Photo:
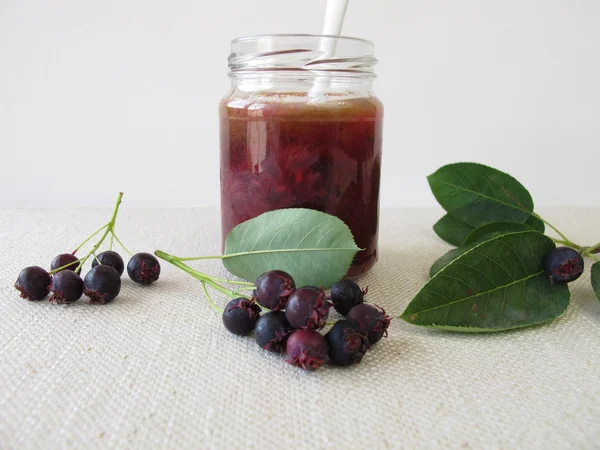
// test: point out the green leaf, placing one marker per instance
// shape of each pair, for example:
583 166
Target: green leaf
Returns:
478 194
478 235
493 229
314 247
497 285
447 258
452 230
596 279
536 224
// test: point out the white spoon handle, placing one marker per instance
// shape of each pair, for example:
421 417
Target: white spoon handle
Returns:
334 17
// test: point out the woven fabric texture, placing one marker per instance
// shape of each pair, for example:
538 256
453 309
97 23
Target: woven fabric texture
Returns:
156 368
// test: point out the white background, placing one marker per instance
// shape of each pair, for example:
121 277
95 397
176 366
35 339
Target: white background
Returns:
102 96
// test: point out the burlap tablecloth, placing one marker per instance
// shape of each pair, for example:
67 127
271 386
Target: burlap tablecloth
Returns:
156 368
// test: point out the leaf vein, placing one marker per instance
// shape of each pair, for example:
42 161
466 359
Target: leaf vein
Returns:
518 257
495 262
479 194
522 280
476 269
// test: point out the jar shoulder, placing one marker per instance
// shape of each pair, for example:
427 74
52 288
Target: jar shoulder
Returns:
291 104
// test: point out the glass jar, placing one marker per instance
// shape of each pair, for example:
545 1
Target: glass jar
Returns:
300 129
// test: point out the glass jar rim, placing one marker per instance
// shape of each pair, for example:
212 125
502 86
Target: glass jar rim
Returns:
301 36
309 53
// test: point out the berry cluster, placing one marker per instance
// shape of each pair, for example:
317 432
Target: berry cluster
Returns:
296 314
101 284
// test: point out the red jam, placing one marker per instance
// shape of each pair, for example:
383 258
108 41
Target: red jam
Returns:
280 151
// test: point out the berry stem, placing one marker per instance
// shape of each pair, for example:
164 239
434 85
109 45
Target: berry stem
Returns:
96 258
250 286
89 238
239 291
565 239
170 258
213 304
58 269
109 228
567 243
111 222
594 249
220 288
112 234
595 258
196 274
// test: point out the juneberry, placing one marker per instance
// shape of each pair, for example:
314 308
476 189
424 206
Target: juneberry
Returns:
102 284
373 319
307 308
306 349
143 268
62 260
273 289
33 283
112 259
563 265
348 343
272 331
240 316
345 295
67 287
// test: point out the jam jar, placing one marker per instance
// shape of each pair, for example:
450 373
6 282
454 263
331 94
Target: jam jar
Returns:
302 128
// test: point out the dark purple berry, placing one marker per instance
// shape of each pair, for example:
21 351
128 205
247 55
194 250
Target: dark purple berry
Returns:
67 287
563 265
272 331
348 343
112 259
62 260
240 316
102 284
345 295
306 349
374 320
143 268
273 289
33 283
307 307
